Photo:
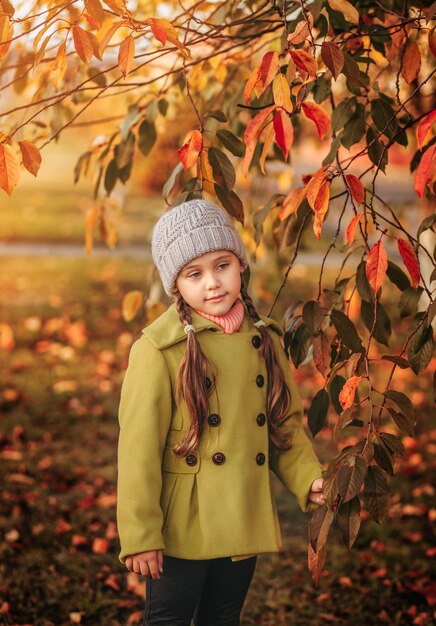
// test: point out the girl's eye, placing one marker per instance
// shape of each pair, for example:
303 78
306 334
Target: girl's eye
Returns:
223 265
194 275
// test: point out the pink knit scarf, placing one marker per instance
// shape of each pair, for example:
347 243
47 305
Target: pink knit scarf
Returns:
230 321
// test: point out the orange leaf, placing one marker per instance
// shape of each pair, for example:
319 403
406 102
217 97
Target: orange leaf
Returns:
31 156
268 68
356 188
119 6
315 562
109 33
376 266
100 546
252 134
322 198
95 9
164 31
126 55
191 148
424 126
301 32
250 85
6 34
266 144
9 168
351 230
317 114
314 184
425 172
59 66
282 92
350 13
411 62
348 391
284 131
83 43
132 302
410 259
304 61
292 202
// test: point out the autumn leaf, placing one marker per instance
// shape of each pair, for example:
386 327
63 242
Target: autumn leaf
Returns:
292 202
301 32
31 156
269 136
317 114
411 62
376 266
191 148
252 81
252 134
9 168
108 34
282 92
333 57
164 31
268 68
356 188
126 55
95 9
118 6
410 259
350 13
304 61
83 43
426 171
348 391
351 229
314 184
424 126
100 545
284 131
315 563
6 34
132 302
59 66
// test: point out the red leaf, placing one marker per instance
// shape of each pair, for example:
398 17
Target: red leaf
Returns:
356 188
100 546
351 230
268 68
410 260
317 114
426 170
424 126
348 391
251 82
252 134
304 61
376 266
188 153
284 131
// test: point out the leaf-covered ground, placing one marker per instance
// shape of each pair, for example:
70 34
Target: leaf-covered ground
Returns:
63 349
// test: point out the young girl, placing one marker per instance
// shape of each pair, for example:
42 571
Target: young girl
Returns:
208 407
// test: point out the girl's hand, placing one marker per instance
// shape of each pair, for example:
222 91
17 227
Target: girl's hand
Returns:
315 493
149 564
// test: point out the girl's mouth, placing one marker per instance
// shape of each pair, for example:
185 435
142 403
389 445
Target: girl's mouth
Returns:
215 298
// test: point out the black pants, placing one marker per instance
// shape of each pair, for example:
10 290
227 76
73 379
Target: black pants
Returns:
212 592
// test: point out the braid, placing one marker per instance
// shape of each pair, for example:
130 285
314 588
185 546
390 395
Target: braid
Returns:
278 394
191 383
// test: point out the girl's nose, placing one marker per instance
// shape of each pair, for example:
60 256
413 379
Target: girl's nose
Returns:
212 281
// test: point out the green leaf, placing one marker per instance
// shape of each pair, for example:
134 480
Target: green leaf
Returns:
403 363
397 276
382 113
354 130
350 69
349 520
382 329
146 136
376 150
300 345
382 455
124 151
230 201
376 493
321 89
313 316
217 115
318 411
334 148
83 161
362 283
408 302
166 190
110 176
319 526
346 330
222 168
162 105
343 113
393 443
231 142
403 423
335 389
426 224
351 477
403 403
420 348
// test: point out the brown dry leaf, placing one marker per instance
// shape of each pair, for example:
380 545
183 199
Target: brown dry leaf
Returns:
31 156
83 43
411 62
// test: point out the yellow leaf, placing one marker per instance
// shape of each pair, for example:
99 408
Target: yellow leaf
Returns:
95 9
118 6
350 13
9 168
108 34
132 302
31 156
282 92
6 33
268 140
83 43
164 31
40 54
206 170
126 55
292 202
59 66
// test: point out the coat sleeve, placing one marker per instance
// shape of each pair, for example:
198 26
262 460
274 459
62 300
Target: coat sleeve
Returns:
299 466
144 418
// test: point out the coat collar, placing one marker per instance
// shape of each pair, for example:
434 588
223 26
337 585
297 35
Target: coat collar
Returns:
168 330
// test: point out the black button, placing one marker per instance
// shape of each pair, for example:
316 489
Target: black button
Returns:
256 341
218 458
260 380
261 419
260 458
191 459
208 383
214 420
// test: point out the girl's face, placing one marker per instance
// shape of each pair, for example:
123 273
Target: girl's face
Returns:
211 282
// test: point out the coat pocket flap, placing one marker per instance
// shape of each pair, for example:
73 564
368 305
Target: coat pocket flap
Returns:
179 465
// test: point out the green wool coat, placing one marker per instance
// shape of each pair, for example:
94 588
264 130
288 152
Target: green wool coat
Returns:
217 502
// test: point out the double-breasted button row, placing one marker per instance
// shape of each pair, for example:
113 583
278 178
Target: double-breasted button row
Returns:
214 420
261 419
191 460
260 458
260 380
219 458
256 341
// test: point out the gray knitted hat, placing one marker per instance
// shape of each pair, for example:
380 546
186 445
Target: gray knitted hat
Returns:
187 231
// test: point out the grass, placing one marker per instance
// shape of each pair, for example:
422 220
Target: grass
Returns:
59 391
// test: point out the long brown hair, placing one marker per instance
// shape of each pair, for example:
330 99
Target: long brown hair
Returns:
192 384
